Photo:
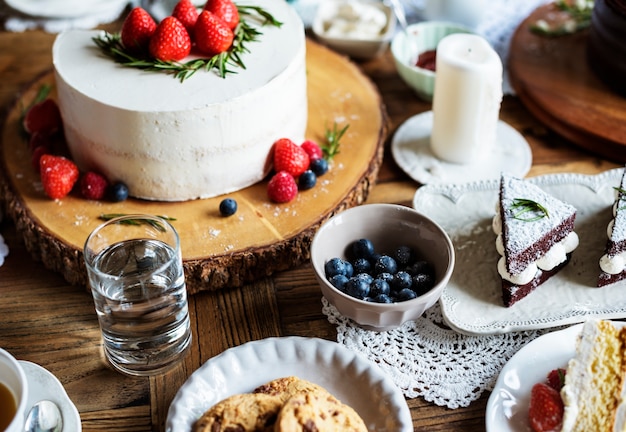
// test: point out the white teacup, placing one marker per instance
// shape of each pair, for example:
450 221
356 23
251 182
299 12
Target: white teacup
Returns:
13 393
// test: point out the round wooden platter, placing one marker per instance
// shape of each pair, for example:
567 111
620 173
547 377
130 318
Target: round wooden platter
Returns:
261 238
553 80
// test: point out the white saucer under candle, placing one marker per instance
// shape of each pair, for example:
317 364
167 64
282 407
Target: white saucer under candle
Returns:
411 150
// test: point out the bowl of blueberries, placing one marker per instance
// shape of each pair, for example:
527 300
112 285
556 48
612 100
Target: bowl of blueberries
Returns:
382 265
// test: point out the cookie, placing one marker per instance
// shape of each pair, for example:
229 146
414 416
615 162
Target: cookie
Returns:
246 412
287 387
315 411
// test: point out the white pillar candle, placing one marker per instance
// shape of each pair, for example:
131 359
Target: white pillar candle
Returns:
466 99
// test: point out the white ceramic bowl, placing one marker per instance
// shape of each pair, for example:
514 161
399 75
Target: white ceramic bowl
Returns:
387 226
424 36
359 47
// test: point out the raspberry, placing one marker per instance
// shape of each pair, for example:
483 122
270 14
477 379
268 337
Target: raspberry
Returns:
93 186
312 149
282 187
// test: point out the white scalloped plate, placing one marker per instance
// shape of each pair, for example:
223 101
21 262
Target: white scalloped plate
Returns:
507 408
348 375
64 8
472 304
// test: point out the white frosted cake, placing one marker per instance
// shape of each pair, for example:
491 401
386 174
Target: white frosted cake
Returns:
174 141
613 262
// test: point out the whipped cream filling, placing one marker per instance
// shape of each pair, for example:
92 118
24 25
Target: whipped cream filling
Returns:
552 258
613 264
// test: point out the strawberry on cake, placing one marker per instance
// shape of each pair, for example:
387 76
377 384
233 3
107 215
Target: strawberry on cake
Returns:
613 262
182 134
535 237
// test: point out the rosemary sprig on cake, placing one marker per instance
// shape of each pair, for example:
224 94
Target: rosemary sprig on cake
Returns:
523 206
165 45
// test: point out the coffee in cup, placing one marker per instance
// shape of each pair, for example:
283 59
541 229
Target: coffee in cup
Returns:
13 393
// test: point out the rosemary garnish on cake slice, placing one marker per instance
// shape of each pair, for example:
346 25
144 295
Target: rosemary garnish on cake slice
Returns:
110 44
157 225
522 206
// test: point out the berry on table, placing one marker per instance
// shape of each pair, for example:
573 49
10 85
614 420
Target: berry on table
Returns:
319 166
290 157
118 192
282 187
312 149
43 117
58 175
228 207
93 186
307 180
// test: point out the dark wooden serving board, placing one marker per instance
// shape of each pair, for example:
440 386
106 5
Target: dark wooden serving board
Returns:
553 80
261 238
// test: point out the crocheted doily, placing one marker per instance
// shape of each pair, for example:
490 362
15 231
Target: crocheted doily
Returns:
427 359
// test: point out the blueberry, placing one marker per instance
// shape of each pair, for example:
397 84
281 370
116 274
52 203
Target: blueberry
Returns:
423 282
403 255
385 264
387 277
406 294
382 298
118 192
379 286
401 280
363 248
420 266
362 265
336 266
339 281
358 287
307 180
319 166
228 207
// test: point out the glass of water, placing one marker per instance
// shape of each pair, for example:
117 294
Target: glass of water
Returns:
135 270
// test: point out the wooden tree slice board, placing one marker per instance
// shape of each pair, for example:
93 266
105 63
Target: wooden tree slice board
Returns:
553 80
261 238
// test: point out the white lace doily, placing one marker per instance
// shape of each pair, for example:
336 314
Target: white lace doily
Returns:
426 359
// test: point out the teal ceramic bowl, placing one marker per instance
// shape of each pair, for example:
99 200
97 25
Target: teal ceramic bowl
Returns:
407 46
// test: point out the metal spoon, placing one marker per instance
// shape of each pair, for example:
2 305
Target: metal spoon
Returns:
44 416
398 11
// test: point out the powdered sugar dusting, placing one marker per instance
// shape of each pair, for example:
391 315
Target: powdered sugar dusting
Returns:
520 235
618 234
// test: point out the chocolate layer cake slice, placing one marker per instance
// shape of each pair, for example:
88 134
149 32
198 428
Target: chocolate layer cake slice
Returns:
535 237
613 262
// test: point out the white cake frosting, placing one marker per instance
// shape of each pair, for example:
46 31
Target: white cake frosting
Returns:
173 141
616 232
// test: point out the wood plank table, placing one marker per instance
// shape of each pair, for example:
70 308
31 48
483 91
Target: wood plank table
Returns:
47 321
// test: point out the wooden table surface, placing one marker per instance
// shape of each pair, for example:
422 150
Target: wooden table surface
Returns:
51 323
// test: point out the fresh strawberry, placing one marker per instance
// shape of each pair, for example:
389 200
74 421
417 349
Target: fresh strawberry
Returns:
137 29
556 378
93 186
224 9
546 409
170 41
185 11
58 175
290 157
282 187
211 34
312 149
43 117
36 155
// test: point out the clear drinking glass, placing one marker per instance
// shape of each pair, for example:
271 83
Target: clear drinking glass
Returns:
135 270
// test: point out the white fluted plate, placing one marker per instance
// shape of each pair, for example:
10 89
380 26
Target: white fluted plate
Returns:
42 384
410 148
507 407
348 375
471 303
65 9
